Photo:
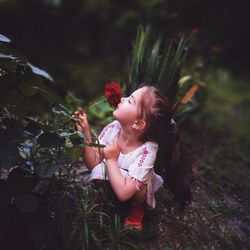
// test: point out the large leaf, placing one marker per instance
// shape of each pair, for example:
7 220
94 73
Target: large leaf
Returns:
74 153
152 63
50 140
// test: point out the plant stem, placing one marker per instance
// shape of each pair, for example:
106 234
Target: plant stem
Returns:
96 103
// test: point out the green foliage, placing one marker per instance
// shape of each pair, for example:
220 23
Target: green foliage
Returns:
159 64
40 150
79 221
24 88
156 65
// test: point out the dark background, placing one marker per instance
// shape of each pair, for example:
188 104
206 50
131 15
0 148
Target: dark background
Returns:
84 43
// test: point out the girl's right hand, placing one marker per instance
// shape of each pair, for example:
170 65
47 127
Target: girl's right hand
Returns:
112 151
82 122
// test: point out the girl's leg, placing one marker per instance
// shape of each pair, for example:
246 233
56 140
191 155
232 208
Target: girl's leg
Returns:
136 211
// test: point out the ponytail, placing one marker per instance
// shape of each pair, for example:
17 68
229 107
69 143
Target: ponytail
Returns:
171 160
171 163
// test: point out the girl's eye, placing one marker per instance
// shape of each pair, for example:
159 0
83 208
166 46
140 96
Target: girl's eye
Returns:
129 101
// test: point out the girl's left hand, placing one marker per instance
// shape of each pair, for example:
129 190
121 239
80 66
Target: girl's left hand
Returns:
111 151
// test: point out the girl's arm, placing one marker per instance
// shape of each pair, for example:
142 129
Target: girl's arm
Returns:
92 155
124 186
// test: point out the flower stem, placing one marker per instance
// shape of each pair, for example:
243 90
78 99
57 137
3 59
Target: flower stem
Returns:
96 103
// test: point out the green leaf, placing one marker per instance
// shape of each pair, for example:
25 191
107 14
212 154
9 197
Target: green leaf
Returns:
152 62
48 140
26 202
151 67
74 153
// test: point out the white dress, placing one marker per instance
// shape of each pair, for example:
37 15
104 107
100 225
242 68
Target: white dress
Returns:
138 164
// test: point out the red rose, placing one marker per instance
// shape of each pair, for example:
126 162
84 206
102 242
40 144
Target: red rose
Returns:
113 93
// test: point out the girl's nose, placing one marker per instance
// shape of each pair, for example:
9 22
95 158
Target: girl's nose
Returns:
122 99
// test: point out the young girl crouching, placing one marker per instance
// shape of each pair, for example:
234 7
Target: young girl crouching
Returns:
142 136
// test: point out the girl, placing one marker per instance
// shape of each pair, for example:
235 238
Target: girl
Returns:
143 135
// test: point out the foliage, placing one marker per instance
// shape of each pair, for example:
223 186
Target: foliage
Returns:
39 151
79 222
154 64
24 89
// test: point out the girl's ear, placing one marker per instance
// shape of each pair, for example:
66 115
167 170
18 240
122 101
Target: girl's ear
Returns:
139 125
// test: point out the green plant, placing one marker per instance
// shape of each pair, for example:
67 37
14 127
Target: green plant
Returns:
41 203
159 64
154 64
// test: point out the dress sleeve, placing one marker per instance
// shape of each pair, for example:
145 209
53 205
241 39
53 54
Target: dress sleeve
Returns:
142 168
109 132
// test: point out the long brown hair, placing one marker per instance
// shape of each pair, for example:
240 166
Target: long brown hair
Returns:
156 110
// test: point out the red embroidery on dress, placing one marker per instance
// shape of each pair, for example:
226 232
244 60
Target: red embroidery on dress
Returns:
106 129
144 155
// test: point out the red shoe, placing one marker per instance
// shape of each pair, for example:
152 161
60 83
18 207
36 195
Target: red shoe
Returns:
135 217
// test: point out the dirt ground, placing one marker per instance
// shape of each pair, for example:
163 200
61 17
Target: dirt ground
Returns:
217 218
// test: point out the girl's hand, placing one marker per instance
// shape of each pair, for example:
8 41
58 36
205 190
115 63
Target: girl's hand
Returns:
82 122
111 151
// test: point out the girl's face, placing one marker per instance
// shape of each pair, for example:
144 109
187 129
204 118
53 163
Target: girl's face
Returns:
127 110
